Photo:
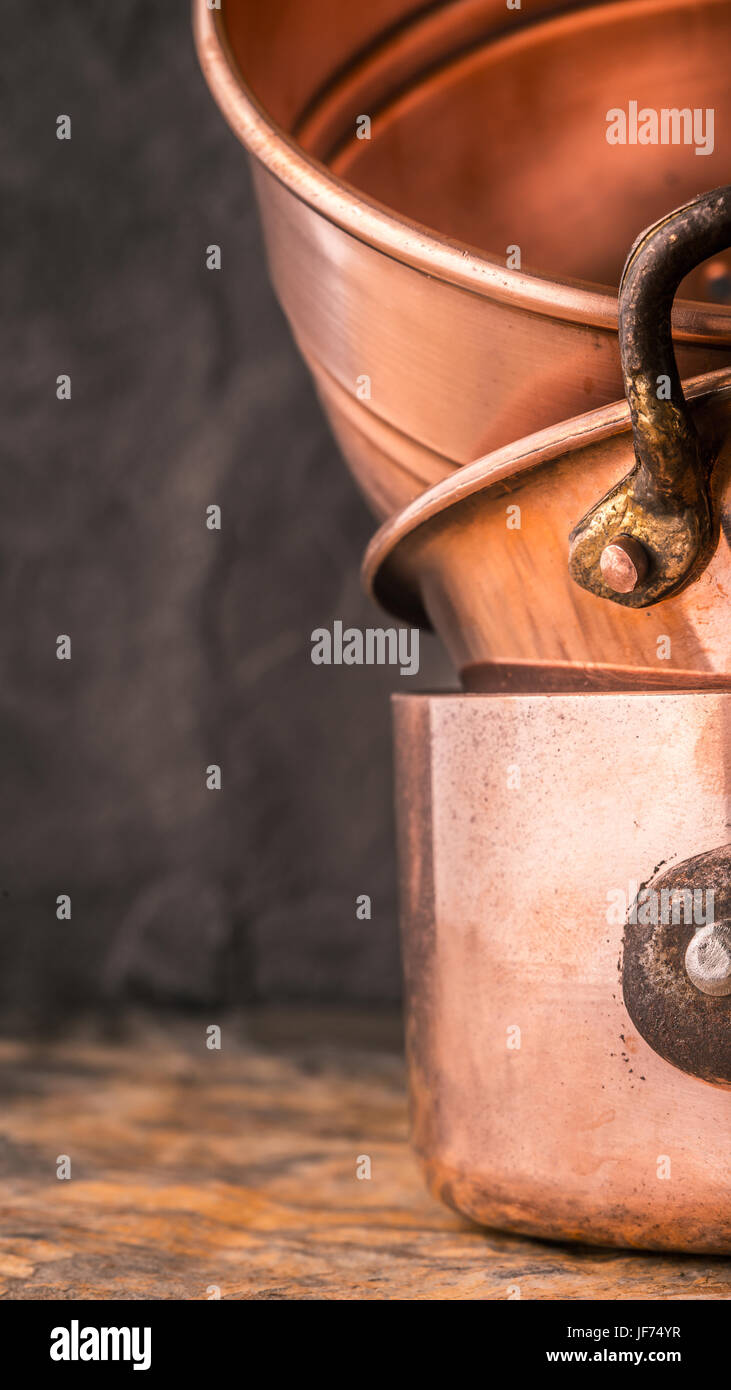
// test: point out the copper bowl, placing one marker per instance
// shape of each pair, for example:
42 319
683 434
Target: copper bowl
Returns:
488 132
502 598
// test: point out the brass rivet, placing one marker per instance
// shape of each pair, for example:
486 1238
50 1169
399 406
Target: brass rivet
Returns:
623 564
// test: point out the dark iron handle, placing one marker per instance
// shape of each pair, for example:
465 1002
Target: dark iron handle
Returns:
653 533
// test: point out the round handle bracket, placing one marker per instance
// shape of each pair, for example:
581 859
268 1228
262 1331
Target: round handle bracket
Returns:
675 992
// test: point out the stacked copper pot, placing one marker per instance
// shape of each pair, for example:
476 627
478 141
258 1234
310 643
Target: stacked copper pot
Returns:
501 238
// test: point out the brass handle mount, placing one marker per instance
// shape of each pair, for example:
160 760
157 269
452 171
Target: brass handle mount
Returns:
653 532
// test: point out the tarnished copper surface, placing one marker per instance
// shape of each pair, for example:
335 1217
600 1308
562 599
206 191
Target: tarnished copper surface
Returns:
494 582
526 824
428 345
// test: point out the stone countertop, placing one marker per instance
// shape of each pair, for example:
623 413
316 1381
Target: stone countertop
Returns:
235 1170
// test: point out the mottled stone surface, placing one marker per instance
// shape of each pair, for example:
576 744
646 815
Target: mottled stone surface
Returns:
193 1168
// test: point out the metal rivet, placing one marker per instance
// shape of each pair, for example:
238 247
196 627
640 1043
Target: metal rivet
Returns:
624 564
708 960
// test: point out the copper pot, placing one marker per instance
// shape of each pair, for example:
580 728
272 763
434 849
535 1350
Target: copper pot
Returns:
641 584
429 347
503 599
568 1064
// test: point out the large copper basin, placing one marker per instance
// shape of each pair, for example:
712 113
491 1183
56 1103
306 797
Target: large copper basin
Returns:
429 347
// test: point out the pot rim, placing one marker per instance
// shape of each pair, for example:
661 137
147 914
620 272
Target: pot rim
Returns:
397 593
413 244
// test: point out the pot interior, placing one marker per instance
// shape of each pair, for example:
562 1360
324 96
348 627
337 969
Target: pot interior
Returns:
489 125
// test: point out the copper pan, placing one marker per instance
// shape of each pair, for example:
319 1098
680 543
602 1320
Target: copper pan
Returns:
502 598
390 254
568 1075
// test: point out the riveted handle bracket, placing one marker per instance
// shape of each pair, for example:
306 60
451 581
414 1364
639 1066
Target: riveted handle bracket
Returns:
654 533
676 965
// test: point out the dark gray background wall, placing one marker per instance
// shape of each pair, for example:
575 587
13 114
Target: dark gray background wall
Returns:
188 646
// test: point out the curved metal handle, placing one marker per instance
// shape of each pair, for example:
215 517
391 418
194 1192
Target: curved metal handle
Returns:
654 531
